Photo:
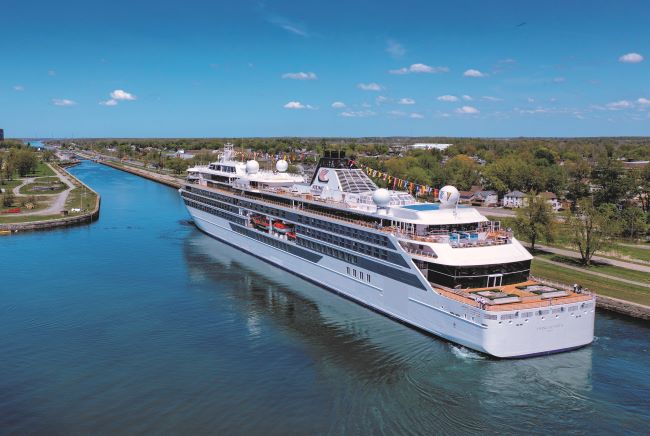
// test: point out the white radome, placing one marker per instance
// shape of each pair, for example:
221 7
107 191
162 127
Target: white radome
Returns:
281 166
448 196
252 167
381 197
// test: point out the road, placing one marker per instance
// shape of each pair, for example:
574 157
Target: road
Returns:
569 253
496 211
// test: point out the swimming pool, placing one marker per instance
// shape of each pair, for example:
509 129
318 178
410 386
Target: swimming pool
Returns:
423 206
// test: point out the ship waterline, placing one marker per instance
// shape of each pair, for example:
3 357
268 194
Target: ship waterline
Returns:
383 250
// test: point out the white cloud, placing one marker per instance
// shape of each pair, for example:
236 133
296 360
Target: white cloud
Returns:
300 76
297 105
559 79
473 73
63 102
381 99
416 115
110 102
370 86
395 49
286 24
419 68
643 101
467 98
449 98
467 110
19 88
51 72
530 100
402 70
490 98
631 58
293 29
366 105
406 100
120 94
357 114
617 105
397 113
338 105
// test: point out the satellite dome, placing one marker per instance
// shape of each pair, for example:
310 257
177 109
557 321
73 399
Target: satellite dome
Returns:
448 196
381 197
252 167
281 166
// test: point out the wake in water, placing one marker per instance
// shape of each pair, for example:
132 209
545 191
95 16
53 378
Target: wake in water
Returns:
465 353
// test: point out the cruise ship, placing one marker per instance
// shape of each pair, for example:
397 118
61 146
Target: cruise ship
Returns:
439 267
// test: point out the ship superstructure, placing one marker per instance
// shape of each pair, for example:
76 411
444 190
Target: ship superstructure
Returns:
445 269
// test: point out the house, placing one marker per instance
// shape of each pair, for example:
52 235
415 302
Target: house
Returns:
485 199
465 197
552 199
515 199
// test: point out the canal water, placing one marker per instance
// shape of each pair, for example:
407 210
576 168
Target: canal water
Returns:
139 323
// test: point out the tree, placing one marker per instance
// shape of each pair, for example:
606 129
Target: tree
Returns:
536 220
8 198
591 228
633 222
613 185
26 162
177 164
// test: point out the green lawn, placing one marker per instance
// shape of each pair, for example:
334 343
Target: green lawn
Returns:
633 252
7 219
42 170
29 188
611 288
638 276
81 198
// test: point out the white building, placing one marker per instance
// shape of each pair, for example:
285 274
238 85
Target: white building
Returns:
423 146
515 199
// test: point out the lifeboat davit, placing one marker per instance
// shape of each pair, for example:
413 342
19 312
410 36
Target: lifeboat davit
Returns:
281 227
260 222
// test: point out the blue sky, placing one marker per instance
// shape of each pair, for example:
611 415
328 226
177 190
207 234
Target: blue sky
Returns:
324 68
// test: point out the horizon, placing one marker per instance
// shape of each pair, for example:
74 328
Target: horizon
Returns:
337 70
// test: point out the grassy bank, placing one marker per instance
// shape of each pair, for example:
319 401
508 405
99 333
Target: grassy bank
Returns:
602 268
599 285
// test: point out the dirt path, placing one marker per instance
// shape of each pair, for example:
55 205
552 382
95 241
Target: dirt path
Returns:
25 182
594 273
59 201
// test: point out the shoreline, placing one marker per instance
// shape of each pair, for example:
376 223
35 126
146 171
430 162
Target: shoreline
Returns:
66 221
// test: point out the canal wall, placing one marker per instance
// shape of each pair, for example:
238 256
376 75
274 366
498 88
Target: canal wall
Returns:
170 181
84 218
624 307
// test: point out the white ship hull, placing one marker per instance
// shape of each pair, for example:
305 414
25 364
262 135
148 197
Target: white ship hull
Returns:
564 327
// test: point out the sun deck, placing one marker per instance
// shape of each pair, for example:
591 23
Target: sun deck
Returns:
480 297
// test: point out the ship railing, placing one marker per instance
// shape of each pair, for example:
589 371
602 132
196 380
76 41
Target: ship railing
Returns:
303 209
559 285
420 252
